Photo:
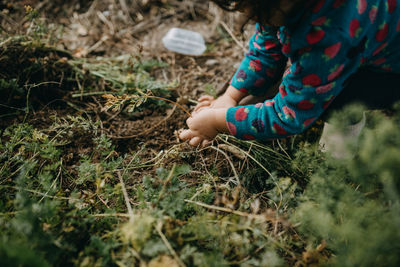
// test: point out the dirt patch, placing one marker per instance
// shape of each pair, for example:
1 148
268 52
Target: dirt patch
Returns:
156 132
108 28
34 71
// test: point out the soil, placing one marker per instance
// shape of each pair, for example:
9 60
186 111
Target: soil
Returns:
85 27
105 28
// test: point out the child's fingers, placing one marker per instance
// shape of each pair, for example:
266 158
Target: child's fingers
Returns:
202 105
195 141
188 121
189 135
186 135
206 97
195 112
205 143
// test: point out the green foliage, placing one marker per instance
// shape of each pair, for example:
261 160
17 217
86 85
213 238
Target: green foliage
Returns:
18 254
168 192
11 86
67 215
129 78
209 89
56 214
37 216
354 205
138 231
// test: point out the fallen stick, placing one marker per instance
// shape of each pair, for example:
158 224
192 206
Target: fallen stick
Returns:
261 217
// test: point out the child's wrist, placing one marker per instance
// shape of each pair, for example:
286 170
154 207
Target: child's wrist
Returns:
220 120
235 94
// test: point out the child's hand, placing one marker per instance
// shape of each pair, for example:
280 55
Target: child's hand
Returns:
204 126
230 98
224 101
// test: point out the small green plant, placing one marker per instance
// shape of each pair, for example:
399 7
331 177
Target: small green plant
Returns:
354 205
209 89
39 32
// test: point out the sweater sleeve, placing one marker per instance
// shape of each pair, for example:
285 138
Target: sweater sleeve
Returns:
263 63
321 63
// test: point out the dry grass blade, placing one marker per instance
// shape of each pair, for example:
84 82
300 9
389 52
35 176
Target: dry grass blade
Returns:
230 163
126 197
262 167
169 178
259 217
167 244
235 151
136 97
123 215
229 31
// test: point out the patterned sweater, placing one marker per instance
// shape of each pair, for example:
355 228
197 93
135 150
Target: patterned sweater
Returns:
325 47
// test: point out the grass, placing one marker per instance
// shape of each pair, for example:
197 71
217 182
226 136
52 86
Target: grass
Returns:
97 210
100 207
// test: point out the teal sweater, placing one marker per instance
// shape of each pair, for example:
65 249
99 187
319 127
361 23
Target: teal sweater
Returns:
324 47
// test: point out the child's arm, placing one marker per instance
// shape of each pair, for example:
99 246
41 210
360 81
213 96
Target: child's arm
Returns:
262 65
321 63
259 70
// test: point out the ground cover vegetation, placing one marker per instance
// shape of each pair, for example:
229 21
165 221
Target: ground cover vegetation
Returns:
92 174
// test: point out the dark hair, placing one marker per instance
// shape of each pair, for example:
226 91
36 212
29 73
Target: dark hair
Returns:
262 11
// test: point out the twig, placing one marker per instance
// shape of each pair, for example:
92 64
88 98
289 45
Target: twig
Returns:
168 245
135 254
145 25
106 21
258 163
261 217
230 162
6 41
102 201
96 45
169 178
112 215
53 183
9 20
37 192
135 96
113 116
232 35
42 83
126 8
284 151
126 197
246 160
91 8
